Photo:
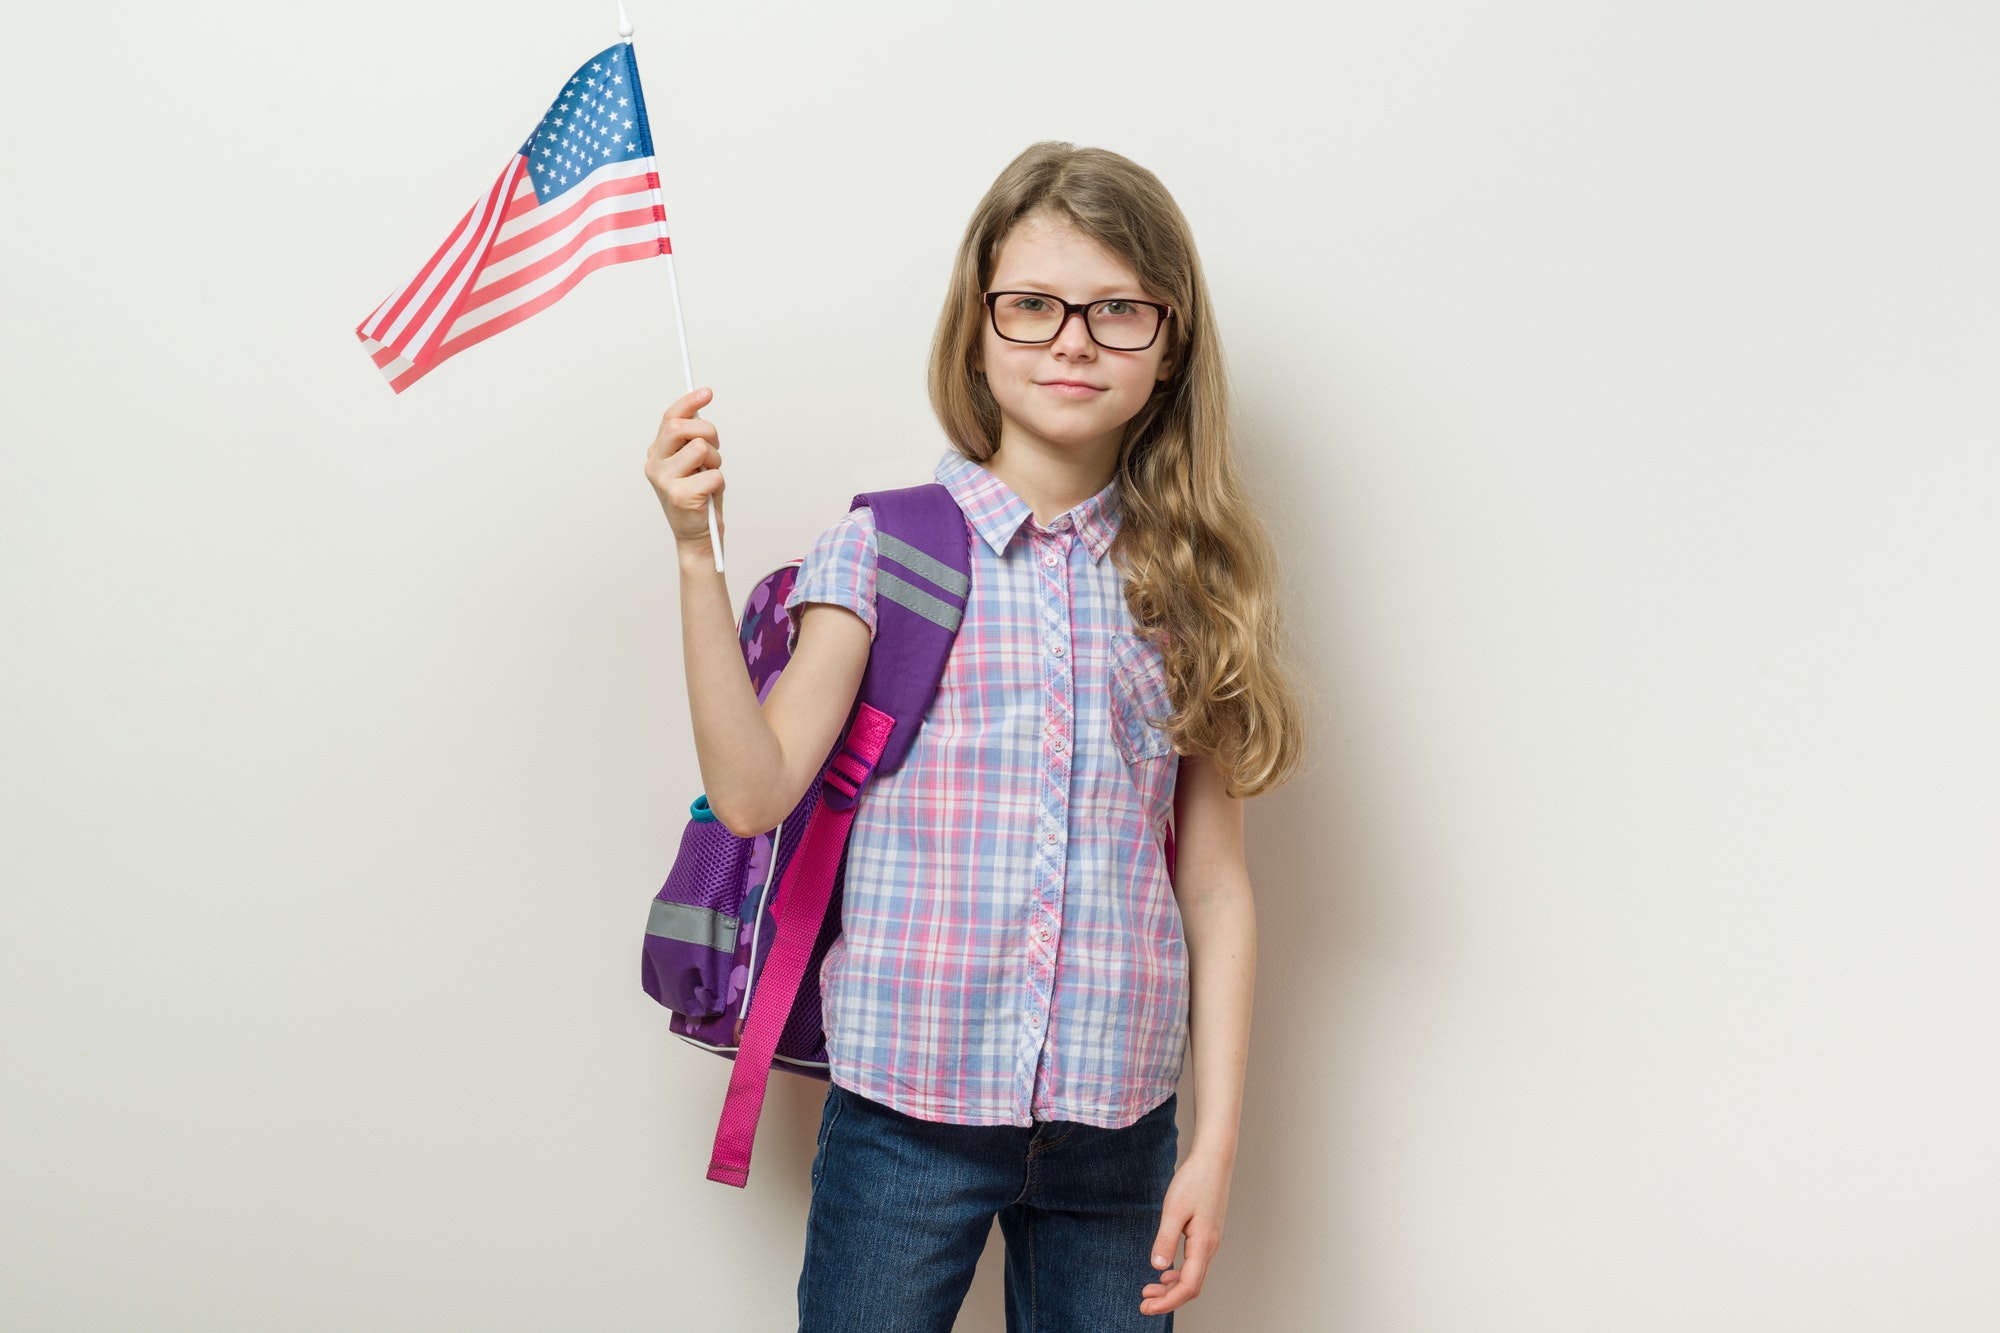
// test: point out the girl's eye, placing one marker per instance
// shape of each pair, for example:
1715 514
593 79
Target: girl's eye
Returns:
1032 305
1116 308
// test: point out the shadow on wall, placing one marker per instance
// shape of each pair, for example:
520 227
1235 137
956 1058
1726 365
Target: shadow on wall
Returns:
1324 909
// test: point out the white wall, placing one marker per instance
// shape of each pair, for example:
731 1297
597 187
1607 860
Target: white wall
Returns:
1620 382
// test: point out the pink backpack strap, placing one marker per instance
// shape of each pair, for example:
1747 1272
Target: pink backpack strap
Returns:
801 905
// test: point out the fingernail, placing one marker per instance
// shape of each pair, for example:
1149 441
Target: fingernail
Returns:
1158 1262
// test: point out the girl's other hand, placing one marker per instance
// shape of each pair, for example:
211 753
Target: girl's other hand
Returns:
1197 1200
685 466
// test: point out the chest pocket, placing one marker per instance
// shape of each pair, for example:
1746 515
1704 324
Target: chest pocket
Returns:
1138 693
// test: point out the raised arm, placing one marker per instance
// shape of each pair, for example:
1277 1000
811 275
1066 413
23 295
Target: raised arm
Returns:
755 762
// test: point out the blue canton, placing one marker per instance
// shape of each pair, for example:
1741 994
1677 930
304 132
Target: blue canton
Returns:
600 117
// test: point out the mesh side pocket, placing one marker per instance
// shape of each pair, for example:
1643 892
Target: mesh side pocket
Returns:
694 921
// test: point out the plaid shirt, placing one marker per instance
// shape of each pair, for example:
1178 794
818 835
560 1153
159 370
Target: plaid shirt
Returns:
1010 947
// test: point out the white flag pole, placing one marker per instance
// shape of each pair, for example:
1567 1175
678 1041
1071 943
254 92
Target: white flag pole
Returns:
673 284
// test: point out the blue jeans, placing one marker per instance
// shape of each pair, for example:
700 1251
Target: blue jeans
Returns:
901 1209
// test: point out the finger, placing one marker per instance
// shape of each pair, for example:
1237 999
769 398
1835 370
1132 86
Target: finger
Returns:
690 402
1166 1295
1194 1271
693 497
682 408
686 460
693 492
677 431
1177 1287
1167 1242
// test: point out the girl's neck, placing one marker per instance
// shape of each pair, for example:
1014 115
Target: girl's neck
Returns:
1053 479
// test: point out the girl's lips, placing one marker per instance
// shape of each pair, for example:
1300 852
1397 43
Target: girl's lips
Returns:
1069 389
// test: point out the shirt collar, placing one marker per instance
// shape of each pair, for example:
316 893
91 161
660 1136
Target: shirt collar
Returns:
996 512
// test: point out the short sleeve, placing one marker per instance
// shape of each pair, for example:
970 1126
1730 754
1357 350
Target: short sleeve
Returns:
840 569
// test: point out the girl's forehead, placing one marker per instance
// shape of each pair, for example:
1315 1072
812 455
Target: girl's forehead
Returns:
1049 255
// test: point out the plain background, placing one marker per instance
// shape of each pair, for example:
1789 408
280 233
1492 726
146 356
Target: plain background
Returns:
1617 380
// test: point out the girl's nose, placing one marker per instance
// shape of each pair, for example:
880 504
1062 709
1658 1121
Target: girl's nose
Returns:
1074 335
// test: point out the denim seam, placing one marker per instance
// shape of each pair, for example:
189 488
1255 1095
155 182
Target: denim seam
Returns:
1034 1277
1039 1146
1027 1177
825 1133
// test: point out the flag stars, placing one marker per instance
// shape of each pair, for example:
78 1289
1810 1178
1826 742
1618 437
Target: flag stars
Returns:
588 123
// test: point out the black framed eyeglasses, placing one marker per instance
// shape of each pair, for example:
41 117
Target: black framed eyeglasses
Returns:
1117 324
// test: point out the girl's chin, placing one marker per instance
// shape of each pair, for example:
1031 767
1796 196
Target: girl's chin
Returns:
1071 443
1079 424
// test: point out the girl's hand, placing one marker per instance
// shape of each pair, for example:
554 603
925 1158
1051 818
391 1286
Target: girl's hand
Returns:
685 466
1197 1198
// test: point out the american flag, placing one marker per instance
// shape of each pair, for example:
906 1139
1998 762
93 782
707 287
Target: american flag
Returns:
581 193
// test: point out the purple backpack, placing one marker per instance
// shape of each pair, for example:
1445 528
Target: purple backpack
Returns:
736 936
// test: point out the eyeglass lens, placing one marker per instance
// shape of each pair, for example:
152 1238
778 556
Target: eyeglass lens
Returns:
1122 326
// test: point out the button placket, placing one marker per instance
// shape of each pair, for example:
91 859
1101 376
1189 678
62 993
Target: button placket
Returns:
1050 549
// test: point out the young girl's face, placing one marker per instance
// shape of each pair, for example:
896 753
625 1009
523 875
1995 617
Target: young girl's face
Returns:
1068 396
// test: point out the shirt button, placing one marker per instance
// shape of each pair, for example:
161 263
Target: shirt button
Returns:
1058 744
1058 650
1045 933
1034 1020
1052 837
1049 559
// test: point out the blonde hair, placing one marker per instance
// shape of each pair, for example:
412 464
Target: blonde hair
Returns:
1200 573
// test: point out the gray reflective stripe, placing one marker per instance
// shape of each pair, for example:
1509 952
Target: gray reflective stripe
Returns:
909 557
693 925
903 594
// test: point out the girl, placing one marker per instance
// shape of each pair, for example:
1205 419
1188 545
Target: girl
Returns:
1016 979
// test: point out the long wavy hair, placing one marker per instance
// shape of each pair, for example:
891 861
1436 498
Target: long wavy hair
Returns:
1199 570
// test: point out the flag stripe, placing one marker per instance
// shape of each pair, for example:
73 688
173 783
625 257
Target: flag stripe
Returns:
645 249
376 325
465 273
558 276
401 374
390 329
497 284
525 228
